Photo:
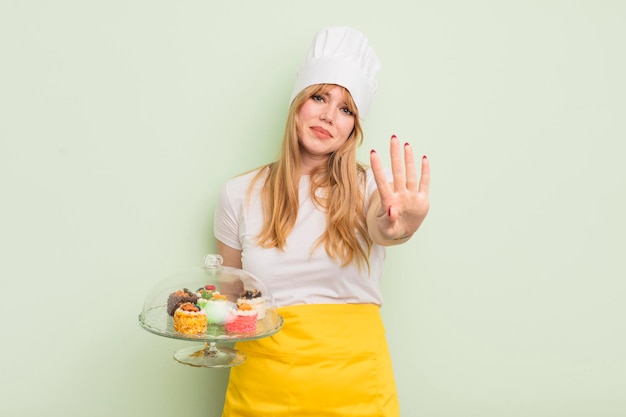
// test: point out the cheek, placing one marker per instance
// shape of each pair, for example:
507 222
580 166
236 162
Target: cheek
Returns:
305 110
347 128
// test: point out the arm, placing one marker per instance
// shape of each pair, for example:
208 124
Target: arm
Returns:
232 257
398 209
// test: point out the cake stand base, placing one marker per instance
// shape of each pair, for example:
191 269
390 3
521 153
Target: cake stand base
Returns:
210 356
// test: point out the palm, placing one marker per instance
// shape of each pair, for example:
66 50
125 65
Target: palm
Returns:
404 202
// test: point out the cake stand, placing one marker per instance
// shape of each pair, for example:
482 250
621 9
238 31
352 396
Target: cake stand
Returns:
230 282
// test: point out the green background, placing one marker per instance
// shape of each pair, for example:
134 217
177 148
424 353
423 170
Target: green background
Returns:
120 120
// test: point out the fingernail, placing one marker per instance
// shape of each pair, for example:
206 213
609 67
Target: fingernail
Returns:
389 211
424 157
406 144
393 136
372 151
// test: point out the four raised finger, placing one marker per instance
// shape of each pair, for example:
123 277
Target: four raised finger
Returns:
404 170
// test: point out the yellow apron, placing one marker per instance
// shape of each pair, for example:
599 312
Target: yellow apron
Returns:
328 360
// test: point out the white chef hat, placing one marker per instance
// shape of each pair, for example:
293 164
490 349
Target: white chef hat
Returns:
342 56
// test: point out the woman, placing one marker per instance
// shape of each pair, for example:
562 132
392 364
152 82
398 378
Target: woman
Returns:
313 225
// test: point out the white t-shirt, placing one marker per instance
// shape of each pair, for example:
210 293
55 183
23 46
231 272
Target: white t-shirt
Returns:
296 275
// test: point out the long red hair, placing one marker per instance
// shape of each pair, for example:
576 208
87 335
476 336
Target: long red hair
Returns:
342 182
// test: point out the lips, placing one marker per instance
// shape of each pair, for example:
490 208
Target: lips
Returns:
321 133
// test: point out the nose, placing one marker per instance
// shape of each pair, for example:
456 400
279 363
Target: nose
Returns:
326 115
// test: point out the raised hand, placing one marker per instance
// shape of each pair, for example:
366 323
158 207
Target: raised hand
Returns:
399 207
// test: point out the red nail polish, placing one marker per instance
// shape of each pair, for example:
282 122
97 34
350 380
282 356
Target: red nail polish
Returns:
406 144
393 136
389 211
372 151
424 157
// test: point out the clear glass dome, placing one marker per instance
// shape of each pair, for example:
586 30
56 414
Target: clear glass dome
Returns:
211 303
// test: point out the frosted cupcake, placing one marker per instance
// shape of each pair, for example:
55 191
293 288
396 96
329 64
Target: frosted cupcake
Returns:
255 299
176 299
214 304
241 319
189 319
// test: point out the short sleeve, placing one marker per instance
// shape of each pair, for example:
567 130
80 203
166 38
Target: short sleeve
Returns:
226 219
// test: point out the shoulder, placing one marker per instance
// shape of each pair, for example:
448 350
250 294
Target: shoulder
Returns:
242 182
233 197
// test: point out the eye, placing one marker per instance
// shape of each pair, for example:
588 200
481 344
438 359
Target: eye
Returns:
317 97
347 111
